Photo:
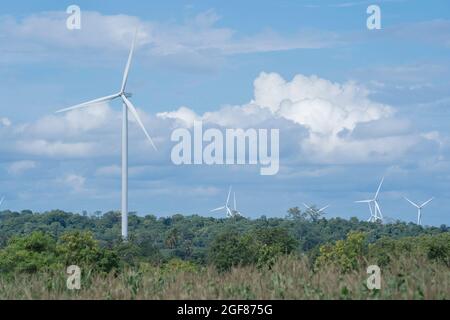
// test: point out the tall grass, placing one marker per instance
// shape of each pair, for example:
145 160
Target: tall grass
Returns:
289 278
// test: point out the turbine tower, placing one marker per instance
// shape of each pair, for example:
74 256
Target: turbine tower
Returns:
126 106
235 212
374 207
419 209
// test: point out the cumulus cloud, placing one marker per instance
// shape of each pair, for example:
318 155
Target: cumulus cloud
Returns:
183 116
342 122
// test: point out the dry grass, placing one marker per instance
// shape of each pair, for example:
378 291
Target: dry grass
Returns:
290 278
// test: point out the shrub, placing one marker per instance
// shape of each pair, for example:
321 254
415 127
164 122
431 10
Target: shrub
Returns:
345 254
29 254
261 247
80 248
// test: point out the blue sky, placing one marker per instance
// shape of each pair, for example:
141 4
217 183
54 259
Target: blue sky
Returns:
361 104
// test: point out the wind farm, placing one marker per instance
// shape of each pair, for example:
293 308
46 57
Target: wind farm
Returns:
156 151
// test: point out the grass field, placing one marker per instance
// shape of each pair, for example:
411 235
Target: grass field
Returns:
289 278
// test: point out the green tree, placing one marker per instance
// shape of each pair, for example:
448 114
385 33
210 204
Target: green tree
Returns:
80 248
345 254
30 253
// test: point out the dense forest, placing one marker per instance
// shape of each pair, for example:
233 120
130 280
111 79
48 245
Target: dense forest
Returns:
190 237
46 243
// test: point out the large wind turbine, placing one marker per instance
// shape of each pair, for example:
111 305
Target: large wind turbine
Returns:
419 209
127 106
375 211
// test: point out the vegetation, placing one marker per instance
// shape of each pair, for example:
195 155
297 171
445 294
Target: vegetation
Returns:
301 256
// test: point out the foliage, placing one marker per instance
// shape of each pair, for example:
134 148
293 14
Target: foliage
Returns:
28 253
261 247
345 254
80 248
435 248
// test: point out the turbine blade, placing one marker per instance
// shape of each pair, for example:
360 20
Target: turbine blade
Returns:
228 198
414 204
363 201
1 200
89 103
426 202
234 198
324 208
379 188
127 67
217 209
138 119
379 210
306 206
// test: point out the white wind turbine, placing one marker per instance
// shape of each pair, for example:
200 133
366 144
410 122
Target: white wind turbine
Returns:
235 211
127 106
321 210
419 209
229 211
375 212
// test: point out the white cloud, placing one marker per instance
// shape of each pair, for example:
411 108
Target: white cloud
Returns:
55 149
5 122
329 112
183 116
199 36
75 182
320 122
19 167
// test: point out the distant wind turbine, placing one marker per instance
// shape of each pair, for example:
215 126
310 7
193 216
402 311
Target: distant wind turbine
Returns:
235 211
419 209
225 207
1 200
230 212
375 211
127 106
314 209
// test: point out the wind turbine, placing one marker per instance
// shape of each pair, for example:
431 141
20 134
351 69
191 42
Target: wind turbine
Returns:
314 209
126 106
419 209
235 211
1 200
375 211
226 207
